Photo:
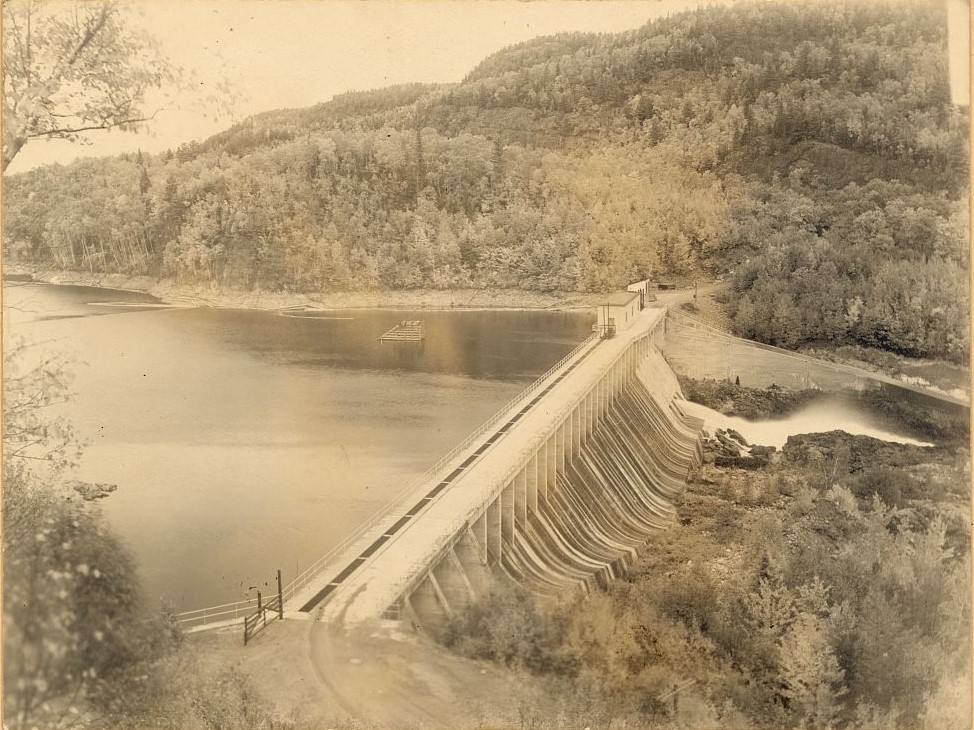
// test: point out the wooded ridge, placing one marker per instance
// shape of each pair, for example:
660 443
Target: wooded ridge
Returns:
812 150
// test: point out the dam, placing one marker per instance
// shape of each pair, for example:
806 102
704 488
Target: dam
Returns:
557 494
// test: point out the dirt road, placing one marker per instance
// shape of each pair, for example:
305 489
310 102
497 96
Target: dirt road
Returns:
383 675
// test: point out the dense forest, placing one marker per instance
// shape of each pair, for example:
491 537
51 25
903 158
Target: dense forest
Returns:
826 589
811 150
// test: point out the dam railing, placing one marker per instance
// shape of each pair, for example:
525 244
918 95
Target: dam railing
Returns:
234 612
450 532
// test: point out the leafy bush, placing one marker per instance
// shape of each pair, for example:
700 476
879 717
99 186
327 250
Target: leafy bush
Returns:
507 626
894 486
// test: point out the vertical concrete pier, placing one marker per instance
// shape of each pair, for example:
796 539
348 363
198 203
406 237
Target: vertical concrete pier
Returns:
560 498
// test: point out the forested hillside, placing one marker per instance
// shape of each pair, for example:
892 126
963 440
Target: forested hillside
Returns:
827 590
810 149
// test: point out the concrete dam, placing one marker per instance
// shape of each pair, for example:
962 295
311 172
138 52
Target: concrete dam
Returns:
559 490
556 494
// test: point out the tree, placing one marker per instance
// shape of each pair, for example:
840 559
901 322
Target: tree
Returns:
27 391
76 629
72 69
811 677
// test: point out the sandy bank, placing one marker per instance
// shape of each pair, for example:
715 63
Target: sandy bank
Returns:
216 296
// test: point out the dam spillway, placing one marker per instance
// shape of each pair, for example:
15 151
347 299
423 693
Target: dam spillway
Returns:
613 492
559 497
556 492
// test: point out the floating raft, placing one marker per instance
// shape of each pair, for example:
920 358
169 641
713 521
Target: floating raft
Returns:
409 330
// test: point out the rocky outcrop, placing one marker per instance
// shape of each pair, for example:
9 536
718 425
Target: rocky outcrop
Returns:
727 447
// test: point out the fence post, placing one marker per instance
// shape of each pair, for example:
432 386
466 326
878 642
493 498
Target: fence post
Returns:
280 596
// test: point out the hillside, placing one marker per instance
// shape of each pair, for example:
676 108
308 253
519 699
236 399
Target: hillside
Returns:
810 149
783 596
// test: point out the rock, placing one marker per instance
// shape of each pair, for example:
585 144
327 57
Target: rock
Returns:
740 462
90 492
853 453
737 437
726 445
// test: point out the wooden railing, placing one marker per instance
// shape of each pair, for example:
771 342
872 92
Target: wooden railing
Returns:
212 615
257 621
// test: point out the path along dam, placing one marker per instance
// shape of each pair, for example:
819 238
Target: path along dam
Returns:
559 494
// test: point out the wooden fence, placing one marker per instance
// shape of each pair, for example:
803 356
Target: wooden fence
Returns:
257 621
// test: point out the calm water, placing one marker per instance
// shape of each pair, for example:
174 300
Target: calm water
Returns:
242 441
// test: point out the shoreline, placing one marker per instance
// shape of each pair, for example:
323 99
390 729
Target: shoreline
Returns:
924 373
177 294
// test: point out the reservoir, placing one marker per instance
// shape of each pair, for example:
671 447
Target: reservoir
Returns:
245 441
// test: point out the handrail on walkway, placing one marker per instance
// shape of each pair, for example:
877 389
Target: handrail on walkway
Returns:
449 533
223 613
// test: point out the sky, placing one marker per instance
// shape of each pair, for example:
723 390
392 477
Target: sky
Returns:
295 53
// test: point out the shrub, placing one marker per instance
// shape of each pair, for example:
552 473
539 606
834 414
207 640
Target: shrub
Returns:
507 626
894 486
690 596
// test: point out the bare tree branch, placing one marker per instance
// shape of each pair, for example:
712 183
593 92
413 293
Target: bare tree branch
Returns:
93 127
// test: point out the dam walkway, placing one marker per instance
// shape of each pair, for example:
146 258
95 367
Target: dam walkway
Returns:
558 496
557 492
456 468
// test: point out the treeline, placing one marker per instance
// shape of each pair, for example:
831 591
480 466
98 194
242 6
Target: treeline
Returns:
739 81
714 138
362 210
881 265
828 591
82 644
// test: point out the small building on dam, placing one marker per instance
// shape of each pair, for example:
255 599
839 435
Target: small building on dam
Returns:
617 312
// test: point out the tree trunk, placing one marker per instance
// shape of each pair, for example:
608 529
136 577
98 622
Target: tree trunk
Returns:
12 144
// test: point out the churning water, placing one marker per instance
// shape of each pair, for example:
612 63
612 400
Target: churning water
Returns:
831 414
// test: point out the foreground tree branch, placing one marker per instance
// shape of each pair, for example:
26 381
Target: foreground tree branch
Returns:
67 131
66 73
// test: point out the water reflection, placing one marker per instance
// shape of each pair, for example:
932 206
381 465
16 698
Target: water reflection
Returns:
246 441
479 344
